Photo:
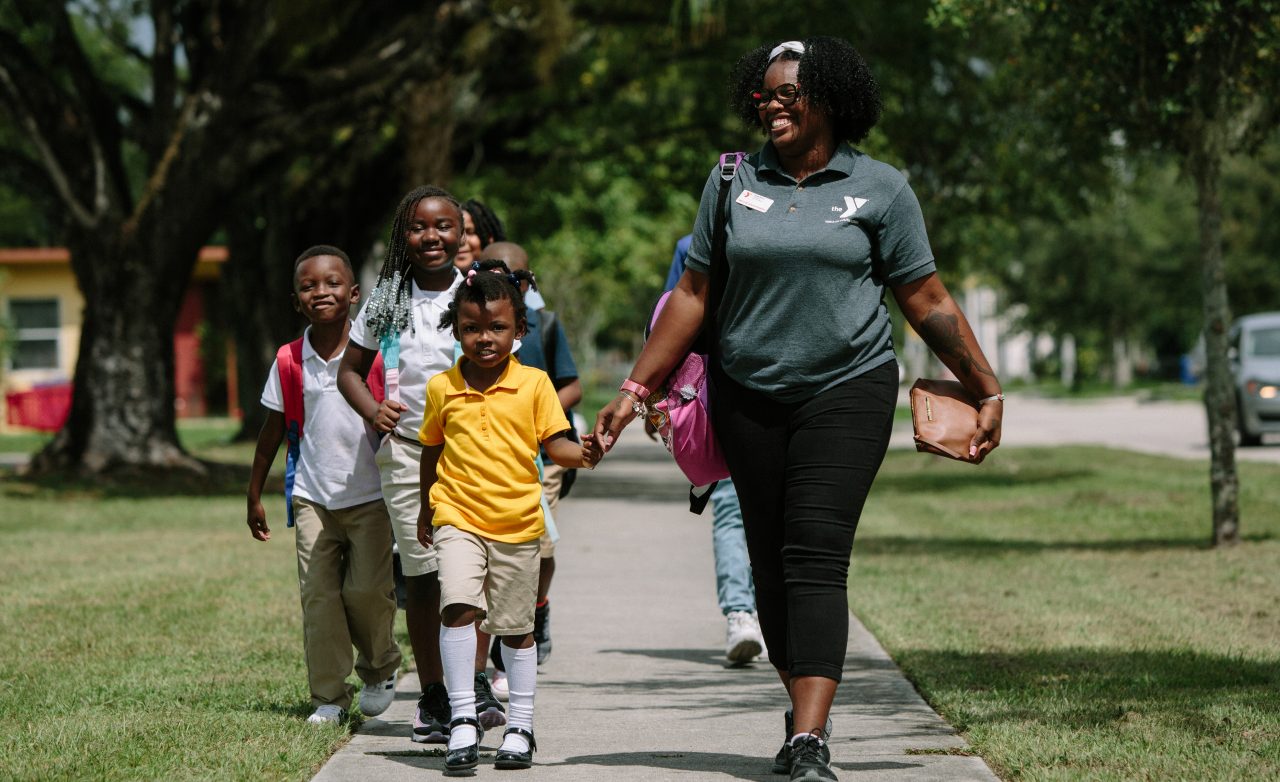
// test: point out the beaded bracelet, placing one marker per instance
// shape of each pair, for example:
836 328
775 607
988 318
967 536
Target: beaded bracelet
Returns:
637 404
635 388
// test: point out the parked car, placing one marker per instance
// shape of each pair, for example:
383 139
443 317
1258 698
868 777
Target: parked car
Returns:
1255 364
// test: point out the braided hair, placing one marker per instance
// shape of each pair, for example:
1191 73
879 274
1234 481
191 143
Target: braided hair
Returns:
391 303
488 226
489 280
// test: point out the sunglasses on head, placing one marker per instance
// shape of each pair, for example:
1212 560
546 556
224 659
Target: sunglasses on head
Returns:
785 94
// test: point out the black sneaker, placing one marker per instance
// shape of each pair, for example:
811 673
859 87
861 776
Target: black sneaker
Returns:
542 631
431 718
811 760
488 710
782 760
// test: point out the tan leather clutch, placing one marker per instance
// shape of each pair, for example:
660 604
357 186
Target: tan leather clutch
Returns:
945 418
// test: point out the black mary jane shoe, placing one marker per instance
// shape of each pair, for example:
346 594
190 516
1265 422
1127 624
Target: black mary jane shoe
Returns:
506 759
463 758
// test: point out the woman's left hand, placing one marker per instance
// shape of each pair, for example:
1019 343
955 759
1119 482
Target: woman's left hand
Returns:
987 437
612 419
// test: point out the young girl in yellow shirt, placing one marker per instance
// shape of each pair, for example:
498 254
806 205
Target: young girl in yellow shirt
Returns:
481 510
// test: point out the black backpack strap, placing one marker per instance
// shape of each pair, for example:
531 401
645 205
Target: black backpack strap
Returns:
699 496
547 325
718 271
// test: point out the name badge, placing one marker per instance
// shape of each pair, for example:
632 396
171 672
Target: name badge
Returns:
755 201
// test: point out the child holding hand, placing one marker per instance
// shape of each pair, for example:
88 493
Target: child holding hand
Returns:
481 510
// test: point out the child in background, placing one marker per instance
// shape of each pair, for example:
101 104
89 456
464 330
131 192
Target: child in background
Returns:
343 532
482 503
734 589
480 228
414 289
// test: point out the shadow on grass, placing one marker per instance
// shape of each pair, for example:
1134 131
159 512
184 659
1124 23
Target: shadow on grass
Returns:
991 547
217 479
1079 688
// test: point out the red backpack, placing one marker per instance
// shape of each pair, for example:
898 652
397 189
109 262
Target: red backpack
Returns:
289 363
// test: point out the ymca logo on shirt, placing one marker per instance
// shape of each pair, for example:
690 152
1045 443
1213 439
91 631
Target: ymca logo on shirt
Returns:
851 206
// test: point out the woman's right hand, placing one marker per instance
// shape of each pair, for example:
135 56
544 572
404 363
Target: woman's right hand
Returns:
387 416
612 419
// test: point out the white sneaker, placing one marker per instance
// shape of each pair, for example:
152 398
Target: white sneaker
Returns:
375 698
501 690
743 641
327 714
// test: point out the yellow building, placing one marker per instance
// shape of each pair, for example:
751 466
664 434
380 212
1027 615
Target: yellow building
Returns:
42 310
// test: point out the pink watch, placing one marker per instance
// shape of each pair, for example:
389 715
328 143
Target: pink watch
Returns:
635 388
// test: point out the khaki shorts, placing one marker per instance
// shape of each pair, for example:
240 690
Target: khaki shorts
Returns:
552 478
400 465
475 570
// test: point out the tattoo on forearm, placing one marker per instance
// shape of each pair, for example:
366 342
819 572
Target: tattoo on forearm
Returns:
942 332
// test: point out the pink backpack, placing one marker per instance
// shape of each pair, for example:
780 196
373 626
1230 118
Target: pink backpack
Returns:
683 420
682 416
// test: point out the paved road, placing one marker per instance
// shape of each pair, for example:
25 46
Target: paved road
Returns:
1171 428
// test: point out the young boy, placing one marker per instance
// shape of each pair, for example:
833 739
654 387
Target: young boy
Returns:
334 495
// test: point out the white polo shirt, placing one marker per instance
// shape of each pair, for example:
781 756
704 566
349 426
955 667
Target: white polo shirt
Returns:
335 460
425 351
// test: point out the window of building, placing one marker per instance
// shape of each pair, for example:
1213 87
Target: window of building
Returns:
35 333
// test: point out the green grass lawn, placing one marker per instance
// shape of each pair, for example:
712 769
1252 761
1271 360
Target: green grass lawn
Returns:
1062 608
1058 606
147 636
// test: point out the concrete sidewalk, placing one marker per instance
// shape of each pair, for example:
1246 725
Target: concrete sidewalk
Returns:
636 687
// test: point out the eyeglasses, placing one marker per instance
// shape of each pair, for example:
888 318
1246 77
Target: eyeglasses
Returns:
785 94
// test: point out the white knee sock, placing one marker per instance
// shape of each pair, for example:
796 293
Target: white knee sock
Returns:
522 679
458 655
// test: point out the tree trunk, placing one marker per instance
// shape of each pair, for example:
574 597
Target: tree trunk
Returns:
254 294
1067 361
1121 362
1219 395
122 413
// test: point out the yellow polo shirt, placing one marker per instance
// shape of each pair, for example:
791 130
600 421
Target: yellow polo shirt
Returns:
488 474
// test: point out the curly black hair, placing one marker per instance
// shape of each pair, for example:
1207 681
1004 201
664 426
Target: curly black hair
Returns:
492 281
833 78
488 226
325 249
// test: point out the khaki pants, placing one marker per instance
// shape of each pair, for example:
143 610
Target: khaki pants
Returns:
499 579
348 597
400 465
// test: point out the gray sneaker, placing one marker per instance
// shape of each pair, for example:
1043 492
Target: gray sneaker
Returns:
811 760
742 639
782 761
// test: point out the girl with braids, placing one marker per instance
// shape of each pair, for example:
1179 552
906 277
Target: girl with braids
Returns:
803 377
413 290
480 228
482 502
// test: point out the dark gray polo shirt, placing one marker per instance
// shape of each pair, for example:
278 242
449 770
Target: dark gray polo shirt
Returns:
803 311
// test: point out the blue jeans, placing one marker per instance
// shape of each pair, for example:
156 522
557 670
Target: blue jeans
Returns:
734 589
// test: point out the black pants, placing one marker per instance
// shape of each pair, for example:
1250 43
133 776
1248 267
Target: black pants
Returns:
802 471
